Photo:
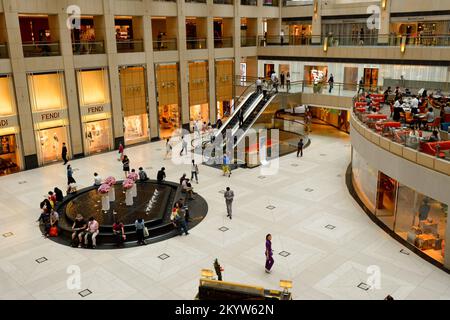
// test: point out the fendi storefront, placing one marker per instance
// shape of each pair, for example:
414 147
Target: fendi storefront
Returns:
50 116
224 88
198 92
10 158
167 86
134 104
95 110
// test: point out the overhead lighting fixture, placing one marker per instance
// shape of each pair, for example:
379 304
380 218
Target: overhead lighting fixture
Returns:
325 44
316 5
403 45
384 4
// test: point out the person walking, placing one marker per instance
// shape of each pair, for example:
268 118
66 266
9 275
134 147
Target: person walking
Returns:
282 80
64 153
161 176
183 146
258 86
300 148
70 178
168 149
229 197
226 166
269 253
194 171
178 221
140 225
126 165
121 150
218 268
331 83
288 81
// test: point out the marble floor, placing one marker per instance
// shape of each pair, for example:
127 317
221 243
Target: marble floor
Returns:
322 240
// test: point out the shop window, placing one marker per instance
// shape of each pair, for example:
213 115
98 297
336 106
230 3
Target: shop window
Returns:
7 101
386 199
47 91
50 143
98 136
93 87
9 160
422 221
365 180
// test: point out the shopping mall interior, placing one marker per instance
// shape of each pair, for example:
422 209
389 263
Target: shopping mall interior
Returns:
322 123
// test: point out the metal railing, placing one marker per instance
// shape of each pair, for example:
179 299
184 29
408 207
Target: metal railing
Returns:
249 2
271 3
41 49
356 40
293 3
248 41
223 2
196 1
198 43
408 131
288 40
4 54
224 42
88 47
165 45
127 46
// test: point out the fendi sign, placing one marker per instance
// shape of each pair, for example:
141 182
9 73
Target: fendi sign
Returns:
91 110
50 116
7 122
4 123
98 109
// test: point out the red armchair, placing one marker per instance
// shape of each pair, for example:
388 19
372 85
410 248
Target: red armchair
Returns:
430 147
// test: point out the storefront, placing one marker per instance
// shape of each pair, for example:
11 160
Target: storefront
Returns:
299 30
95 109
224 88
134 104
351 31
423 30
167 85
50 117
316 76
198 92
416 218
10 158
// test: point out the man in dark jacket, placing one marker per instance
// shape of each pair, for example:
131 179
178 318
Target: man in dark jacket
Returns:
64 153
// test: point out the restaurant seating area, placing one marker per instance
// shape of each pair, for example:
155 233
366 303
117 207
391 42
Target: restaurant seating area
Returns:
411 129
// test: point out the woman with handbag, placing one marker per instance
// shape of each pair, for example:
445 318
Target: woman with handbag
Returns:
140 225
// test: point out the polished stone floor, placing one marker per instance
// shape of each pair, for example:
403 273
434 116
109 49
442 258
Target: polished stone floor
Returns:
322 240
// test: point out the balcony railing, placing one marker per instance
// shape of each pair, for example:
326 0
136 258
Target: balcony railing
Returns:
127 46
165 45
88 47
271 3
41 49
224 42
288 40
196 1
248 41
198 43
223 2
293 3
4 51
249 2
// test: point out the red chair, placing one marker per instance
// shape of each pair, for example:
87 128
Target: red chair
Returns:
361 109
377 117
430 147
435 124
360 104
446 117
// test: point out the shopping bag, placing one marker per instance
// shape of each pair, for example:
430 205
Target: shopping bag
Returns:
53 232
146 233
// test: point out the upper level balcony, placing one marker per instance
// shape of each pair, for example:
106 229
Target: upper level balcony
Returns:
231 2
130 45
271 3
196 43
248 41
223 42
4 51
196 1
249 2
41 49
165 44
88 47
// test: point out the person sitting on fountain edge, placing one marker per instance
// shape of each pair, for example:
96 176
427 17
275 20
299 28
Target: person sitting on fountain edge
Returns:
142 175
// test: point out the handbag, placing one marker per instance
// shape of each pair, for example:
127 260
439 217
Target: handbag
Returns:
53 232
146 233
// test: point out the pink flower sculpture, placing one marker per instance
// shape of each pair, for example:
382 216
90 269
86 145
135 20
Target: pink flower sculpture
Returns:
104 188
128 184
110 181
133 176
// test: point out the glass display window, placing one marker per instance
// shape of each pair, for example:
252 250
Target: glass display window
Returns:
386 199
365 179
422 221
224 109
199 112
93 87
136 128
9 155
50 142
97 136
169 120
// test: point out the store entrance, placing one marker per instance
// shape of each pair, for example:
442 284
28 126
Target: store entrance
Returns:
50 144
386 199
97 136
269 69
371 78
9 159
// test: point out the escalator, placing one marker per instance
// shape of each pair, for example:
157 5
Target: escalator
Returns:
252 117
233 122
